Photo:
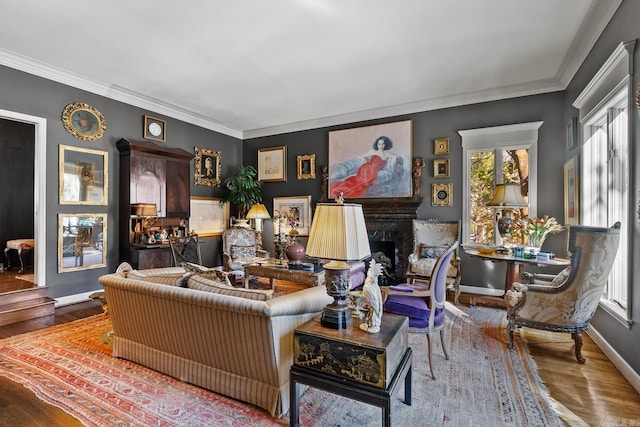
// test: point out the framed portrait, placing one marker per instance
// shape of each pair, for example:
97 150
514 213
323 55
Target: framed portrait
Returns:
82 241
155 129
441 168
207 167
272 164
571 192
306 166
572 133
297 208
83 176
442 194
83 121
371 161
208 216
441 146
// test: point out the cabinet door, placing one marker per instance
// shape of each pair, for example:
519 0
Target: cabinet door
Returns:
178 189
148 182
152 258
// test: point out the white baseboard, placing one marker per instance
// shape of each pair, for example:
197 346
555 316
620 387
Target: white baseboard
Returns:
627 371
481 291
73 299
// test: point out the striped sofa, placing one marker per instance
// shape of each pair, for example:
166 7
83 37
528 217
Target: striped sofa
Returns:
239 345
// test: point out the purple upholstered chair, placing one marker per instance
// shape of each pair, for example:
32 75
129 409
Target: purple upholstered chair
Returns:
426 312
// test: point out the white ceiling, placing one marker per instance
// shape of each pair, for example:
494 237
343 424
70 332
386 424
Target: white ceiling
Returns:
254 68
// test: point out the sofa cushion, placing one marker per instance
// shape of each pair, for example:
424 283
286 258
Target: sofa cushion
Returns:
215 274
173 279
239 252
205 284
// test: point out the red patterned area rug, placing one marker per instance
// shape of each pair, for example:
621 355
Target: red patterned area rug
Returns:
483 383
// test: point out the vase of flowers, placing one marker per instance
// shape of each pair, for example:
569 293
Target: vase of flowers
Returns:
537 229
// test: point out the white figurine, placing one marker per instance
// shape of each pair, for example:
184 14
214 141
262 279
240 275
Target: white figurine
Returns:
373 299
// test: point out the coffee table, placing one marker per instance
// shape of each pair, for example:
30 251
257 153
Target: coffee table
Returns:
274 271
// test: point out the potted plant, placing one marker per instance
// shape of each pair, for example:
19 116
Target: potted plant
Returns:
243 190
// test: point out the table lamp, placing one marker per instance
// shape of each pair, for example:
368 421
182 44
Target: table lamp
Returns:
507 197
146 213
339 234
258 212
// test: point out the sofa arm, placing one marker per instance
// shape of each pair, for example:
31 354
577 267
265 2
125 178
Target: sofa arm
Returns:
311 300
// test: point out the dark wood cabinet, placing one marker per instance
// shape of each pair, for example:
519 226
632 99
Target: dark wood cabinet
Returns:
154 174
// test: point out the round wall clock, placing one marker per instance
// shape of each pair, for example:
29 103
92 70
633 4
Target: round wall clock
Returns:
83 121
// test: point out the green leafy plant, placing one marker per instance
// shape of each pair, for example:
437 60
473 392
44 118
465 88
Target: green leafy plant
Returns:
243 190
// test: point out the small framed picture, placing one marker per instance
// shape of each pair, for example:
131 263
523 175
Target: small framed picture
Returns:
290 212
441 146
572 133
208 216
83 121
207 167
307 166
571 192
83 176
441 168
272 164
155 129
442 194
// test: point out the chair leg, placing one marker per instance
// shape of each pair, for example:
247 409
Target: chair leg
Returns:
430 358
444 347
510 327
577 337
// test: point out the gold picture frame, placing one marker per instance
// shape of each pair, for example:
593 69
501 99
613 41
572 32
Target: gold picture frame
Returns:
206 168
440 146
83 121
442 194
441 168
154 129
306 167
83 176
208 216
571 192
82 241
272 164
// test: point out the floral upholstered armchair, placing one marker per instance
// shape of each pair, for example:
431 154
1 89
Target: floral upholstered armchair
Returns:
566 302
239 249
431 238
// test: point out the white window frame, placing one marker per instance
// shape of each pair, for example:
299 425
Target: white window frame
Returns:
605 126
498 138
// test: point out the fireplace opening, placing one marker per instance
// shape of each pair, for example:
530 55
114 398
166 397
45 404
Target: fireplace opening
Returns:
385 253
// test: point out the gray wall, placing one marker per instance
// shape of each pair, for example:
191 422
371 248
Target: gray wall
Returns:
428 126
28 94
622 28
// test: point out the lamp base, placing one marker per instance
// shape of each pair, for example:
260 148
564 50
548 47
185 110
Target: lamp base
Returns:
337 315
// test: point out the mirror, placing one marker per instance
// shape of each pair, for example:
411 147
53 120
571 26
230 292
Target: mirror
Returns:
82 241
83 176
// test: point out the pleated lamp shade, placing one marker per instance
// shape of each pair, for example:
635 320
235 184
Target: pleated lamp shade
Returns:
508 195
258 211
338 232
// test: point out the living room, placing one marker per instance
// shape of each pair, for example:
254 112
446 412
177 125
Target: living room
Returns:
26 96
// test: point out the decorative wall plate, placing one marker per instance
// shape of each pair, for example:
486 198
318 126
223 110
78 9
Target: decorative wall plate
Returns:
83 121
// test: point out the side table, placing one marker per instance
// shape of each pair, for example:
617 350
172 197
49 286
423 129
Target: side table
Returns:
353 363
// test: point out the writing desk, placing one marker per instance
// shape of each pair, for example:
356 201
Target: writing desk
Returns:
514 265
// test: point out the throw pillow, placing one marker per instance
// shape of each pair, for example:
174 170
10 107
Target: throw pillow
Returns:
206 272
208 285
427 251
238 252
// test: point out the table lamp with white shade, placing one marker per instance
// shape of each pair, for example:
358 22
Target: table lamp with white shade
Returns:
339 234
507 197
257 213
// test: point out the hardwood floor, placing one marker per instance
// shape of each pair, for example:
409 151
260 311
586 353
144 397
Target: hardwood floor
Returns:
596 392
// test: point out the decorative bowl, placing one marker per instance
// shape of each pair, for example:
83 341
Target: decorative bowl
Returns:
486 250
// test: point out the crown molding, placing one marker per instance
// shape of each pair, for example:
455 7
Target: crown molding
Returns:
40 69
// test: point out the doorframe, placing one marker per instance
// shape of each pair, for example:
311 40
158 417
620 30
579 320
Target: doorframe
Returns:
39 190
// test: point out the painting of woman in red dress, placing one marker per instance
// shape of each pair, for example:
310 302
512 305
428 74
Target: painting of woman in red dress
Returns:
378 166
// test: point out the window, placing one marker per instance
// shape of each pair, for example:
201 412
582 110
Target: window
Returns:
605 197
502 154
